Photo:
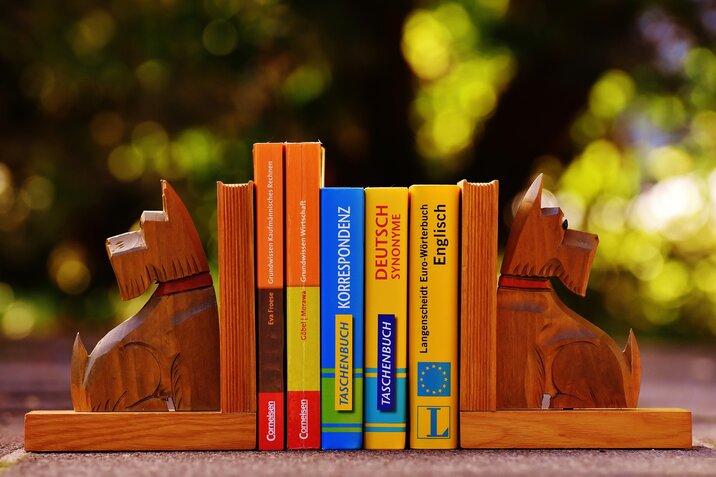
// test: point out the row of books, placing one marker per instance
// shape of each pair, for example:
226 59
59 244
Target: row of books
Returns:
357 300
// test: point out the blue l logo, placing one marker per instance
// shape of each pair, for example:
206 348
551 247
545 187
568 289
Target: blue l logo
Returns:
434 423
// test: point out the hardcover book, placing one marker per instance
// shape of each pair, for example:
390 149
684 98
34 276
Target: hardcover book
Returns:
386 316
342 216
304 178
432 324
268 180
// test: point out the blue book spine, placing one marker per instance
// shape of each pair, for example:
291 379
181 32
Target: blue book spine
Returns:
342 272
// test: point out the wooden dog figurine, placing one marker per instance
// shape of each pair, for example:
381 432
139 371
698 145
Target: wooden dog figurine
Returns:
548 355
166 357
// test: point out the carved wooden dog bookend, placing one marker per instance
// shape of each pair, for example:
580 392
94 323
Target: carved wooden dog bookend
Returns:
548 355
167 355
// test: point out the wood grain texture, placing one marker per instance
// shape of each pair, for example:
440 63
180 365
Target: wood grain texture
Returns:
166 247
166 355
61 431
577 429
478 296
540 244
153 357
543 347
235 217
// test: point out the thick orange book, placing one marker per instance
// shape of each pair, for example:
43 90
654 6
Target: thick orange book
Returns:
304 179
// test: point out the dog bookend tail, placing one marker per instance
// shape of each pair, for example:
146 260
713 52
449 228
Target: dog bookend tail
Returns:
548 355
631 354
165 357
77 371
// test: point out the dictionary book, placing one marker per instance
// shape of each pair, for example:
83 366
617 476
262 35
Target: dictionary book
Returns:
432 324
303 178
342 216
268 183
386 316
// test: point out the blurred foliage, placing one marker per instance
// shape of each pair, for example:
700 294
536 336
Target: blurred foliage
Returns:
461 73
645 181
614 101
106 99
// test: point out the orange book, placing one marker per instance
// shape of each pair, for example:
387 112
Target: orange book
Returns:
304 179
268 178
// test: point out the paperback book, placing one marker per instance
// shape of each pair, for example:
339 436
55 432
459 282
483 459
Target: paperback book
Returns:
304 178
386 316
268 180
342 216
433 305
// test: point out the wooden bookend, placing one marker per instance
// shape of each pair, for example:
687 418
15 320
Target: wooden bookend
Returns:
548 355
478 305
550 362
167 356
576 429
66 431
235 217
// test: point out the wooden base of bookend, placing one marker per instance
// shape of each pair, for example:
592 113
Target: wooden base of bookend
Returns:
576 429
60 431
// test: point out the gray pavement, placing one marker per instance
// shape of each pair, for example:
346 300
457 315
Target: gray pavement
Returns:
36 376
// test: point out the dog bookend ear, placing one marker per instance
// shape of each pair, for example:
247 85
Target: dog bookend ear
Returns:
165 357
543 347
541 245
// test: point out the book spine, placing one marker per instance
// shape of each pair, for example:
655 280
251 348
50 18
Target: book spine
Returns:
268 176
432 325
342 216
304 178
386 317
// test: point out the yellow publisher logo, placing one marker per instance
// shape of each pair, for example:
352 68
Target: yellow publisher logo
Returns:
433 422
344 363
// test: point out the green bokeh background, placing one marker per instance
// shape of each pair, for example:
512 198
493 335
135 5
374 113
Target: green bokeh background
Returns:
615 102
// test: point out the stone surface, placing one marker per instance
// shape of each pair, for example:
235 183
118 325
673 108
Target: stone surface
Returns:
36 376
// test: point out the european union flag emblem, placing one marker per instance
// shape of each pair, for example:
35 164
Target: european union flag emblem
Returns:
433 379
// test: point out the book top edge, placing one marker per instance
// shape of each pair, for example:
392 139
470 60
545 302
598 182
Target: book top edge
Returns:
245 184
287 142
433 186
387 188
478 184
338 189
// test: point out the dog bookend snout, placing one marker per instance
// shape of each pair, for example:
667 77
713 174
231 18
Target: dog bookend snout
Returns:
165 357
543 347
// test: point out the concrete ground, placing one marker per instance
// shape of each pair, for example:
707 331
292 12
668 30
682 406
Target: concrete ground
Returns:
36 376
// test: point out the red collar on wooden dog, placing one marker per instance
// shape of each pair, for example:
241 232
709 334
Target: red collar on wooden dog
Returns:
528 283
192 282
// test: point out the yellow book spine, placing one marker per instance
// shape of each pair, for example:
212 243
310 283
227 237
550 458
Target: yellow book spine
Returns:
432 324
386 317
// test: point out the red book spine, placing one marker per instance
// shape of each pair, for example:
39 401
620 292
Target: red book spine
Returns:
271 419
304 420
